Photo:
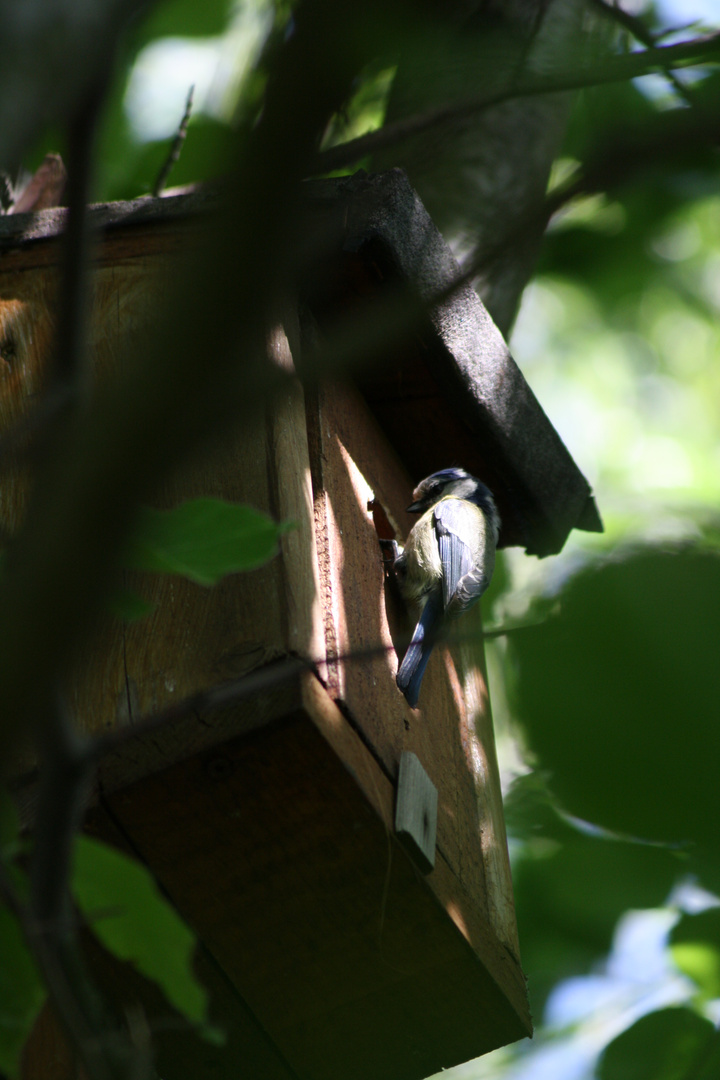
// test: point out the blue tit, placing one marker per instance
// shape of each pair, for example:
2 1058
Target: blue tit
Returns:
447 562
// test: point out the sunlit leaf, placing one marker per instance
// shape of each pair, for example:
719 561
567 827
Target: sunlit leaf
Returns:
695 948
203 539
21 993
122 905
618 695
670 1044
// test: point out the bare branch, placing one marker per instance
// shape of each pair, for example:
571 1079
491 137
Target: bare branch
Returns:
279 673
615 69
640 32
175 147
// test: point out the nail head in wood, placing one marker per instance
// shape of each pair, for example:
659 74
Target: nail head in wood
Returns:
416 812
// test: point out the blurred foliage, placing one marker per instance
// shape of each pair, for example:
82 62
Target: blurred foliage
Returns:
22 993
182 18
613 690
613 695
572 884
610 684
670 1044
365 111
695 948
203 540
125 166
587 251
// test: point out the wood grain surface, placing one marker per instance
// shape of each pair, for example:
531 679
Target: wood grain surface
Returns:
269 823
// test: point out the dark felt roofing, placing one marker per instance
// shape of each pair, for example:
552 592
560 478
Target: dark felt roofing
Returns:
457 397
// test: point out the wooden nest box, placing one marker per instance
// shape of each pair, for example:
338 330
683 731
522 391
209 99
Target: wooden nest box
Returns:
328 948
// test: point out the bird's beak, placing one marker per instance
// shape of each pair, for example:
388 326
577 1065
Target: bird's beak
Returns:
416 507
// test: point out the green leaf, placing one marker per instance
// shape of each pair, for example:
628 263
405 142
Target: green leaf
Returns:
695 948
186 18
203 539
120 901
670 1044
618 696
21 993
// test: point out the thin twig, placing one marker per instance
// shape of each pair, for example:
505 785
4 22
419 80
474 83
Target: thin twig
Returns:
614 69
175 147
641 33
270 677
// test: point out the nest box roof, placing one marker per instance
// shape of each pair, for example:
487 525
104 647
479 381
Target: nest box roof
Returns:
454 395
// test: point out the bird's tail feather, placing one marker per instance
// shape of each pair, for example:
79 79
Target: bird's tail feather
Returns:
412 669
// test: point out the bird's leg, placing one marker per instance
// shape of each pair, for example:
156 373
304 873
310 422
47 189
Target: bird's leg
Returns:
391 552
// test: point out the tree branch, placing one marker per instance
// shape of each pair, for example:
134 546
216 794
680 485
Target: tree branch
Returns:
640 32
175 147
617 69
235 691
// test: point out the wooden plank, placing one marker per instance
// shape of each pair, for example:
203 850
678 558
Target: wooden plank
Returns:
479 742
195 637
270 849
293 499
352 465
460 904
481 406
331 943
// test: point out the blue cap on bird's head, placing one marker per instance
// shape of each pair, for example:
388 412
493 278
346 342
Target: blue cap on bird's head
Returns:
445 476
452 481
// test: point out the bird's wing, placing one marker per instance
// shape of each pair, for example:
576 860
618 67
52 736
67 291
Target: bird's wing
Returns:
451 521
470 588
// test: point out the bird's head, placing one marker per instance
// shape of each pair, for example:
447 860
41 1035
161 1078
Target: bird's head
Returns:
461 485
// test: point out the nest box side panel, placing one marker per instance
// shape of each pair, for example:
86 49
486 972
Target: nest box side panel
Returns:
355 471
271 851
195 637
